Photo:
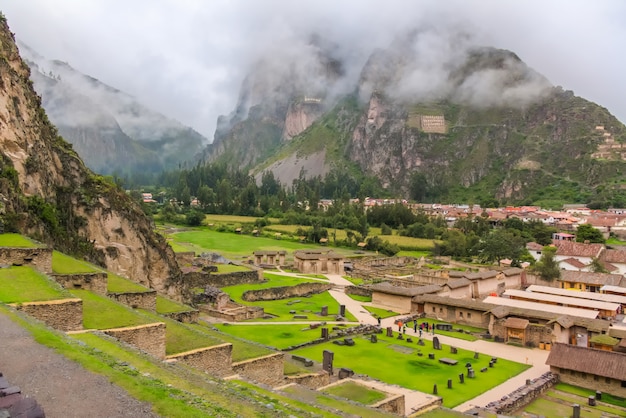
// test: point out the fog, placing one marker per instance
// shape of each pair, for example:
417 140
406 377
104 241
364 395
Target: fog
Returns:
188 59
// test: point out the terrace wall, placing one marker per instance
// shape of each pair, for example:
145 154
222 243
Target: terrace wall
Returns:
358 290
142 300
94 282
394 404
186 257
233 314
186 316
216 360
62 314
149 338
39 258
267 369
284 292
310 380
202 279
524 395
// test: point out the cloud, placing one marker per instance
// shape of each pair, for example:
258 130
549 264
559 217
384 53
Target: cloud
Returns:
187 59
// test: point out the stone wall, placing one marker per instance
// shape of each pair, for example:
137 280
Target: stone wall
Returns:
310 380
535 333
589 381
142 300
338 332
453 314
234 313
524 395
216 360
394 404
185 258
149 338
62 314
186 316
39 258
285 292
94 282
202 279
358 290
268 369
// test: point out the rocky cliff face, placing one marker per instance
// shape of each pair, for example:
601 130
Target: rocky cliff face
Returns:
47 192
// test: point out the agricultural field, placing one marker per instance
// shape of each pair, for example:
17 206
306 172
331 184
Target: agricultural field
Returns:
100 312
16 240
558 401
397 362
24 284
276 336
119 284
65 264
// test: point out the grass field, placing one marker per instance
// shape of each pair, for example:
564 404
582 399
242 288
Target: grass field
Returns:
64 264
100 312
230 268
281 308
277 336
383 313
118 284
357 393
24 284
164 306
16 240
242 348
396 362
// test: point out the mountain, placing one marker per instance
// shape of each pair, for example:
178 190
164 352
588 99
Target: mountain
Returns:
109 129
46 191
432 116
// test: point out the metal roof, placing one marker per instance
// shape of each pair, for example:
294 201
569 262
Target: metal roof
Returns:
562 300
604 297
562 310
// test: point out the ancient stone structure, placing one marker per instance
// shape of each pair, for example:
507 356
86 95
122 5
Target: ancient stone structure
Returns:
310 380
136 300
149 338
200 279
523 395
435 124
269 258
327 364
285 292
216 360
185 316
268 369
94 282
63 314
39 258
318 261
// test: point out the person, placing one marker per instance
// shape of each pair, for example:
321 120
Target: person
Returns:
404 329
399 326
420 333
379 319
415 325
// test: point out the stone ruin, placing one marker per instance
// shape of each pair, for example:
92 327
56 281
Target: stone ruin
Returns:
217 303
14 404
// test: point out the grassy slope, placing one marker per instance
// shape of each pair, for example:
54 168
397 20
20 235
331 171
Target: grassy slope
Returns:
16 240
24 284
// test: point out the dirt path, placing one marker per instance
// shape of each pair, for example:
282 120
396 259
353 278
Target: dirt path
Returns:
62 387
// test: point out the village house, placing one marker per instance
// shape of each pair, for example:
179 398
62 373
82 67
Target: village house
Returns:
598 370
462 311
398 298
588 281
583 253
269 258
615 258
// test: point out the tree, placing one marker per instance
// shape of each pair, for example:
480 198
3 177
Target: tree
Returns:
385 229
586 232
194 217
597 266
547 266
500 244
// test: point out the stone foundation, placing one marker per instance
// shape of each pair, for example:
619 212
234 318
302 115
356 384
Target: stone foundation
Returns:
268 369
203 279
311 380
358 290
94 282
394 404
62 314
216 360
233 313
142 300
39 258
187 316
524 395
149 338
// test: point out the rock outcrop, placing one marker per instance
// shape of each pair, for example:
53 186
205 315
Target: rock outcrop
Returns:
46 191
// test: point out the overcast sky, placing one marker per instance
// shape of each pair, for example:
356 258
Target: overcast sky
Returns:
187 58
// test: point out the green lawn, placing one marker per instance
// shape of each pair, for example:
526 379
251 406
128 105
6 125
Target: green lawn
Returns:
100 312
64 264
119 284
242 349
356 392
361 298
345 407
383 313
277 336
585 393
164 306
396 362
24 284
16 240
273 280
